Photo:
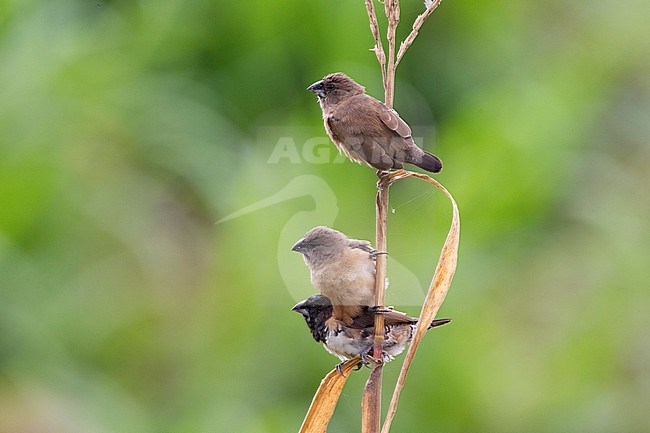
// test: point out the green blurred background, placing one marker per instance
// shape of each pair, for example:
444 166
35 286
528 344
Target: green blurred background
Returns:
130 129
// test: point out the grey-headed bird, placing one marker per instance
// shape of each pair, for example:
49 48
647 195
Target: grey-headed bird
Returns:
342 269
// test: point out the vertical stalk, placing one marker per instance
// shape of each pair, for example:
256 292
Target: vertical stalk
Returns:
371 403
380 245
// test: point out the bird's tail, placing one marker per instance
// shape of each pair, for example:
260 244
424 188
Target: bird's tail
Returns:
439 322
428 162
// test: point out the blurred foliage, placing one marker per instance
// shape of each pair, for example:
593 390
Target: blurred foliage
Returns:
129 128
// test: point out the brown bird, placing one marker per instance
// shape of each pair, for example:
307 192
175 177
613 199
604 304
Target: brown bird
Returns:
357 338
342 269
365 129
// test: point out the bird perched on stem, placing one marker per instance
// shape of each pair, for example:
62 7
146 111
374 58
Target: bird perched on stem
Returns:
357 338
365 129
342 269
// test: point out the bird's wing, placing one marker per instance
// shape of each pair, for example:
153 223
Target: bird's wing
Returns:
377 151
396 318
391 318
359 145
331 127
394 122
359 132
362 245
401 143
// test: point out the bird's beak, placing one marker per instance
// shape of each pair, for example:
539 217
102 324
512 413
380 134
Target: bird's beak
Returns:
298 245
317 88
298 307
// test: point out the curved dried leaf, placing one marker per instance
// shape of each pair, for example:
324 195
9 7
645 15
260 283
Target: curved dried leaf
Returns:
438 288
322 406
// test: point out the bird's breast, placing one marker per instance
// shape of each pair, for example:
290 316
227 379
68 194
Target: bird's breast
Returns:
347 344
346 282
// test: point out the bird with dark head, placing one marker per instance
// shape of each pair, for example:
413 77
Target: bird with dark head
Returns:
365 129
342 269
357 338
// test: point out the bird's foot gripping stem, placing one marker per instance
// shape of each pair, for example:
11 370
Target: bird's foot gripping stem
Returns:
339 366
374 254
367 358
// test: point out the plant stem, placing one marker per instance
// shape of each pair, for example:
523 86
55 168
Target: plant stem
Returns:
371 402
391 8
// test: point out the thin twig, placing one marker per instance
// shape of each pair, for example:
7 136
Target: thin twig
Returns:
406 43
378 48
391 8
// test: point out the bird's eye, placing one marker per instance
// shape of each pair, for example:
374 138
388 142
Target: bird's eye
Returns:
329 86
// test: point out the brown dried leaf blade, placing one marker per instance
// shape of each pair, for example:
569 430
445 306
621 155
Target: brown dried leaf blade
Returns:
438 288
324 402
